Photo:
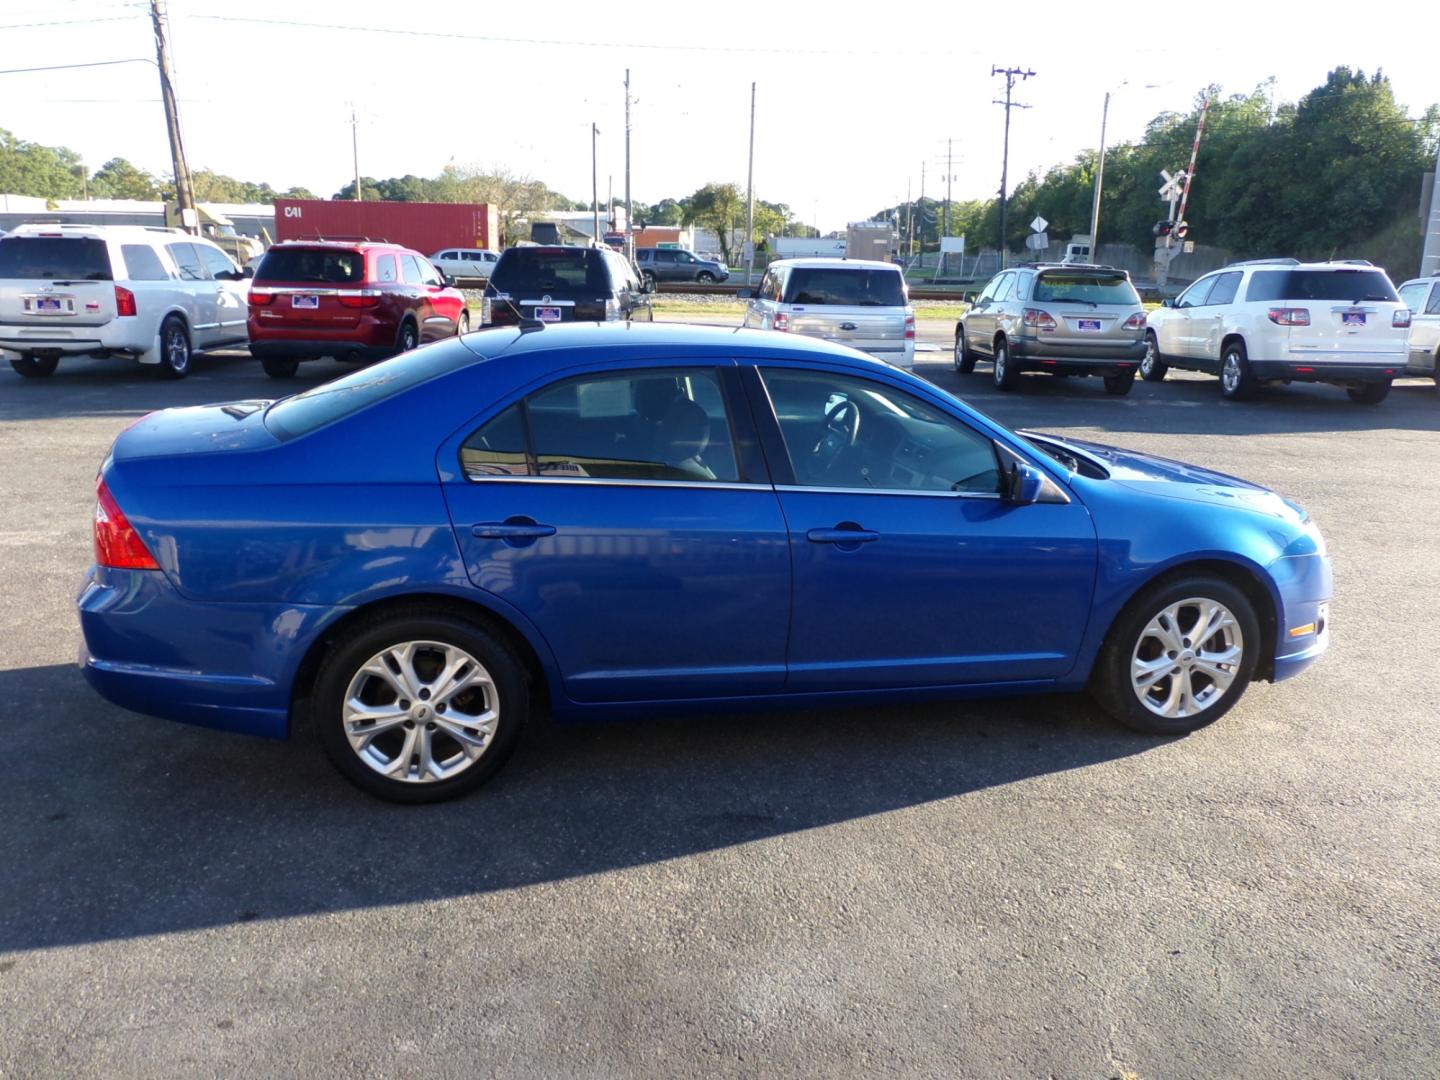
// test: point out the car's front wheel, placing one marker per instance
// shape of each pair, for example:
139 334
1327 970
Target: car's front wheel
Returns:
1179 656
34 367
1152 368
419 706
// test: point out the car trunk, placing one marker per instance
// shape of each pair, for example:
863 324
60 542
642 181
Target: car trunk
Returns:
548 284
313 290
859 327
1350 314
54 283
863 307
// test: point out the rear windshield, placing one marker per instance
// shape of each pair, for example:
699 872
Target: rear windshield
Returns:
57 258
857 287
328 402
318 265
1354 285
549 270
1094 288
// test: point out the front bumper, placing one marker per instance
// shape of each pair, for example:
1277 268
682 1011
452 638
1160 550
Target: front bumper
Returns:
1302 631
1321 371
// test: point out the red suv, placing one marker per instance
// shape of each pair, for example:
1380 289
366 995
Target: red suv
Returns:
355 300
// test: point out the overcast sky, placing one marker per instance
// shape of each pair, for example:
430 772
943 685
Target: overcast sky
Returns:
852 98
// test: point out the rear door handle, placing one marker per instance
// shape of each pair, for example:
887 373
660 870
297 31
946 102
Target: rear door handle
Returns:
840 535
511 530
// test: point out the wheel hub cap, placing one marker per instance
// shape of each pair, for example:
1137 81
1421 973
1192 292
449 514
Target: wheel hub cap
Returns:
1186 658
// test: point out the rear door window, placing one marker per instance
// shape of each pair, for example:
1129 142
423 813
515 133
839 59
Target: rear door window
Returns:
845 286
187 260
312 266
1059 286
142 263
58 258
385 268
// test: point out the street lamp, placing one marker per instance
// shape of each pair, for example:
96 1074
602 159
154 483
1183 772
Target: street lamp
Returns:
1100 170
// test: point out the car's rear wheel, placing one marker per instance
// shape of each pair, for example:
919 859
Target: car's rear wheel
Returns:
408 338
964 358
1120 384
419 706
1237 382
1152 368
1370 393
1005 375
35 367
174 348
705 277
1178 657
462 325
278 367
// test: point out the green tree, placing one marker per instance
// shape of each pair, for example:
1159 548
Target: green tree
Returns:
719 208
49 172
119 179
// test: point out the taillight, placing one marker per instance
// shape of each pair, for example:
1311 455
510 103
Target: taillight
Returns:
1290 316
909 327
124 302
360 298
1037 319
782 321
260 299
117 544
1401 318
1134 322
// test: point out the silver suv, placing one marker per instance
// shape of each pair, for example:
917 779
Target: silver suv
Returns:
1055 318
1422 297
853 302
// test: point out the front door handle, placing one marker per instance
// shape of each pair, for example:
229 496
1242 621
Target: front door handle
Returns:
511 529
846 534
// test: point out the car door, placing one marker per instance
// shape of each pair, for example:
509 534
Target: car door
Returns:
1423 299
416 296
665 267
760 309
628 516
910 569
443 304
201 300
231 305
1207 322
1174 332
980 319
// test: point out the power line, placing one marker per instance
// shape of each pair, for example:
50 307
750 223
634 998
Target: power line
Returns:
67 22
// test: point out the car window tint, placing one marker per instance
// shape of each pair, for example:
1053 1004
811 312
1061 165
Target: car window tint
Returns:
69 258
385 269
534 271
1433 308
1224 289
1196 294
1352 285
215 260
311 266
849 286
498 448
654 424
142 263
187 260
1413 295
843 431
1058 286
410 269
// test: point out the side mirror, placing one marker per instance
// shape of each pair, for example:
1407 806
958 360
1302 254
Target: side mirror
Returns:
1023 484
448 280
744 294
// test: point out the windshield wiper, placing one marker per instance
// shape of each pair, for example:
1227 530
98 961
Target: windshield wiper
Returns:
1071 300
1365 298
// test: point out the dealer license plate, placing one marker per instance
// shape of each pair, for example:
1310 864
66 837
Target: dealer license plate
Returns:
1092 325
306 301
1352 318
547 314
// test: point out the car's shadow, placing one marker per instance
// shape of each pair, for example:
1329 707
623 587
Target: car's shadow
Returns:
118 825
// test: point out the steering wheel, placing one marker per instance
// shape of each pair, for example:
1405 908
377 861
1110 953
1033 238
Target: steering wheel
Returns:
839 432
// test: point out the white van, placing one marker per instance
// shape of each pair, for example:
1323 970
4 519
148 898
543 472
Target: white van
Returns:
148 294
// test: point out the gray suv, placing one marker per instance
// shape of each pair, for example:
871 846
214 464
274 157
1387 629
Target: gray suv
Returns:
676 264
1058 319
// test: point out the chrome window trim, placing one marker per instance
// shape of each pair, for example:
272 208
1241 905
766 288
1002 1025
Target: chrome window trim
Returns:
891 491
592 481
290 290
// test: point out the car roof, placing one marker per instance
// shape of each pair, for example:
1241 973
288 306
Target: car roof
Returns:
825 264
561 345
101 232
341 245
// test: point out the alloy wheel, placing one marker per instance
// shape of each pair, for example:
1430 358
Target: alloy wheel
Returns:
1230 373
1186 657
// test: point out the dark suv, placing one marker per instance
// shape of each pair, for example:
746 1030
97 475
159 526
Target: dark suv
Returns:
676 264
563 284
351 300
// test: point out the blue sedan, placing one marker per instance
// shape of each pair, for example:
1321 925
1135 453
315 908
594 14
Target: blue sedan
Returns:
614 519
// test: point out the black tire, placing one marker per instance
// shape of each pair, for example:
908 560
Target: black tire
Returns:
1111 681
1152 368
34 367
648 278
509 698
1005 375
964 358
279 367
1120 384
1370 393
1237 381
462 324
704 277
408 337
174 348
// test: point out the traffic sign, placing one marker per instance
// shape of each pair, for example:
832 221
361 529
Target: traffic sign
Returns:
1189 247
1038 225
1037 241
1170 190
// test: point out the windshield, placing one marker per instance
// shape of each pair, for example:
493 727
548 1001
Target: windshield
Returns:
537 271
1087 288
328 402
55 258
1362 283
317 265
847 286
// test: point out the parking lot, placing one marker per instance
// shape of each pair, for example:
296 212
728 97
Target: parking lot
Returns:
1016 888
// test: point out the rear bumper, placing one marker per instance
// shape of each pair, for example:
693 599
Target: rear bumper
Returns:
313 349
1321 371
1038 353
126 336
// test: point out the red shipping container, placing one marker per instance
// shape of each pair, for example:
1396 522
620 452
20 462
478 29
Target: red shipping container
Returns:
426 227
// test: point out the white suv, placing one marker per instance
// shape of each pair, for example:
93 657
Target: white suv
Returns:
1285 321
1422 297
151 294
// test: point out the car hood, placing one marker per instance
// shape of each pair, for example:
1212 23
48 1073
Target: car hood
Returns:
1165 478
200 429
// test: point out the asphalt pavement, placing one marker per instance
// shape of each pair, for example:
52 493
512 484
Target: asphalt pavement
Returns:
1016 888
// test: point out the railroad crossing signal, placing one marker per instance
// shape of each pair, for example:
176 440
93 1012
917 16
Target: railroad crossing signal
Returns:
1171 189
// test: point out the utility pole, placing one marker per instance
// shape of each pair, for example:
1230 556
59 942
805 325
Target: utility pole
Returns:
629 216
909 224
949 175
1010 75
1099 183
355 152
750 196
921 214
595 180
184 191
